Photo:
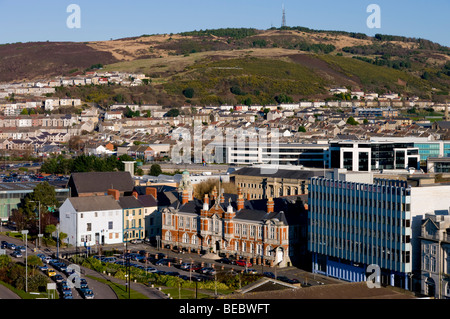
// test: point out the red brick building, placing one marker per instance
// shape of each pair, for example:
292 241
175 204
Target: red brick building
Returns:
257 230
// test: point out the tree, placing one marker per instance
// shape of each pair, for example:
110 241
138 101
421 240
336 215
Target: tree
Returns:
301 128
155 170
173 113
352 121
188 93
41 203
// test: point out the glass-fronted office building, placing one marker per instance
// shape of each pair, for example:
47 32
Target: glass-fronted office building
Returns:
356 221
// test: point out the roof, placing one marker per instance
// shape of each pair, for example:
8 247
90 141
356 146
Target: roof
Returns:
127 202
147 200
280 173
94 203
358 290
94 182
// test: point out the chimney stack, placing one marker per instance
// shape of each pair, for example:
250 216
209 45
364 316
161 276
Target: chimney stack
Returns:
270 205
114 193
151 191
240 202
206 203
184 197
135 194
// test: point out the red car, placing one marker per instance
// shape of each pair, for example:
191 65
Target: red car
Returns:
243 262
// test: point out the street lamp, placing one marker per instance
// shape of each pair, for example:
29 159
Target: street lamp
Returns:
25 232
39 233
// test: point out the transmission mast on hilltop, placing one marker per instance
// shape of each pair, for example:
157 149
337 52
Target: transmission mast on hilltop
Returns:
283 19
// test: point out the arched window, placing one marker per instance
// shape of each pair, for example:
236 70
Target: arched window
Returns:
185 238
168 236
194 240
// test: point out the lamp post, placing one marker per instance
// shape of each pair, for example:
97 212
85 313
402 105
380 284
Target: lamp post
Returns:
25 232
39 233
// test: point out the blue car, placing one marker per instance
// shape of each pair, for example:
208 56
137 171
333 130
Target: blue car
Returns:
87 293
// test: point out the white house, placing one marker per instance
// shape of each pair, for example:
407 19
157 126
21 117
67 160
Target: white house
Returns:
91 220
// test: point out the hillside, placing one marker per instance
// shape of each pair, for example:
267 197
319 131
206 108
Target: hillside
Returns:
244 65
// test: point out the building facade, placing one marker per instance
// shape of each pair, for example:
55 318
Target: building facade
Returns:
91 221
435 248
253 230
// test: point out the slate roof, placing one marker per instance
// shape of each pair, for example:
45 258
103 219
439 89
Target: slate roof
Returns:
285 209
95 182
147 200
129 202
94 203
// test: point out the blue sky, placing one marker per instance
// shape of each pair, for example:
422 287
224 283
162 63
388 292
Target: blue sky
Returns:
31 20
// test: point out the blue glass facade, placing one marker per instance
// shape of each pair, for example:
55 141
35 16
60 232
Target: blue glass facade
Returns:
353 225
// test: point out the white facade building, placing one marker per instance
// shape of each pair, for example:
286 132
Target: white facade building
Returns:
91 220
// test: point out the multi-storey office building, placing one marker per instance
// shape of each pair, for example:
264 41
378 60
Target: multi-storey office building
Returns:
370 155
308 155
356 220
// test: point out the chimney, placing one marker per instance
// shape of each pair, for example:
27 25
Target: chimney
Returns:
206 202
214 193
222 198
114 193
248 196
240 202
239 190
150 191
270 205
135 194
184 197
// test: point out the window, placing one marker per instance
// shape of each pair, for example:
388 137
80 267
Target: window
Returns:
110 225
89 227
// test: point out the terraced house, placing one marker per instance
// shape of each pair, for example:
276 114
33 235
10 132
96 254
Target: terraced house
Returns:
261 231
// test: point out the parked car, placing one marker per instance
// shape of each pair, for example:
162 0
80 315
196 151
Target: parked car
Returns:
150 269
4 244
21 248
163 262
243 263
51 272
269 274
87 293
16 253
11 246
185 266
250 271
58 278
283 278
227 261
208 271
